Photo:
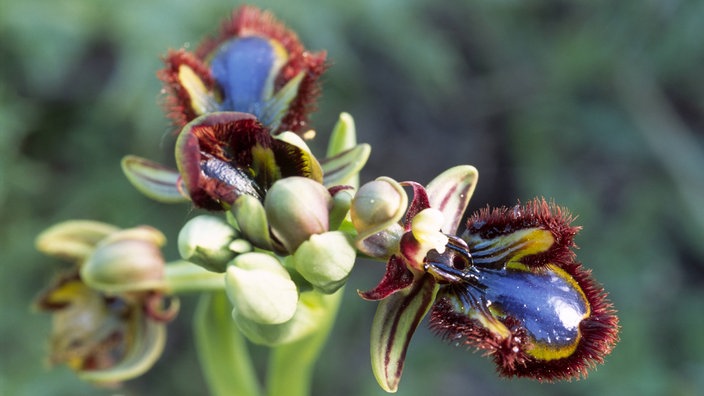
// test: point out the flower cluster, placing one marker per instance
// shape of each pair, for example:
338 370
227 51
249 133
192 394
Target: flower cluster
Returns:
284 229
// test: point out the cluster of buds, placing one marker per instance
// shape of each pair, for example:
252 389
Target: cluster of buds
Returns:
290 227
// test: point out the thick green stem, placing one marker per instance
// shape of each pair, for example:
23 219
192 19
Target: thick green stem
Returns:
184 276
222 349
291 365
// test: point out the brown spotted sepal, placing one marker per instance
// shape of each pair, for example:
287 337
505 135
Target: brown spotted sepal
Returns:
253 65
512 288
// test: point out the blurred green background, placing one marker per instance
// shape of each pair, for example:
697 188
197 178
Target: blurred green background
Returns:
599 105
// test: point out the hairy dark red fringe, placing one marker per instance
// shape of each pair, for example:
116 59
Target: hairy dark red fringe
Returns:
490 223
249 20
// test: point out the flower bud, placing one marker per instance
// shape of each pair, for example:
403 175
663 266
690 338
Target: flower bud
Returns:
261 289
376 210
325 260
127 260
310 312
377 205
341 202
251 220
205 240
297 207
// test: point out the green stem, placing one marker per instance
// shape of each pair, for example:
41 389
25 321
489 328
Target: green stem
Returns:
291 365
184 276
222 349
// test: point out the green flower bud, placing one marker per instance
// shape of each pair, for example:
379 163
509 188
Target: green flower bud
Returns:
205 240
341 202
297 208
260 289
251 220
127 260
376 211
309 314
325 260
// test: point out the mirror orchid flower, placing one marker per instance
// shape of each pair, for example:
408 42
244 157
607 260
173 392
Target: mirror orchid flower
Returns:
253 65
508 283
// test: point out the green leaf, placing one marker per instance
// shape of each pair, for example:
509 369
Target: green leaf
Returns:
153 179
222 350
395 321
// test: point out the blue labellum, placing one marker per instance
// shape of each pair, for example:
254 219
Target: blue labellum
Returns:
546 301
245 69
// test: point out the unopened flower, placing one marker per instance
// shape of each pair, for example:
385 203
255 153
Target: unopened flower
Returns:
210 242
109 310
508 285
253 65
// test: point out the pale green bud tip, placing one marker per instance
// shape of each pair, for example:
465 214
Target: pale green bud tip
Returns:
128 260
297 207
205 240
261 289
425 227
73 240
325 260
310 312
377 205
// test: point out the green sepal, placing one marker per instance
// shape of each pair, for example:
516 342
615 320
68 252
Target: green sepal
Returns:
450 192
153 179
344 167
395 321
343 136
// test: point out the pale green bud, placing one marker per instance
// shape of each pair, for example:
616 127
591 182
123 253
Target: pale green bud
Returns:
325 260
251 220
376 211
127 260
341 203
297 207
205 240
310 313
260 289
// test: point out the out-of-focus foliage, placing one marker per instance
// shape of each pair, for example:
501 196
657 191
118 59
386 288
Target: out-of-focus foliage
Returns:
597 104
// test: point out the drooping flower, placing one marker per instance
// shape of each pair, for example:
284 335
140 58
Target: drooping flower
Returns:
109 310
253 65
508 285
